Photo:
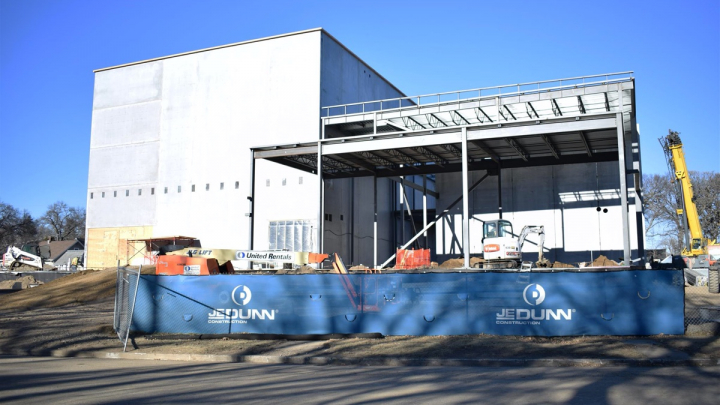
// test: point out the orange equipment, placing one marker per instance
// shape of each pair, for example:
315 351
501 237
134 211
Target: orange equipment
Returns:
412 259
184 265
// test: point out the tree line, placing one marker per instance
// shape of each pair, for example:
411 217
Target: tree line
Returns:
60 222
663 226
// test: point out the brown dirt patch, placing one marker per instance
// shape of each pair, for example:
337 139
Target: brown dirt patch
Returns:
81 287
459 263
603 261
561 265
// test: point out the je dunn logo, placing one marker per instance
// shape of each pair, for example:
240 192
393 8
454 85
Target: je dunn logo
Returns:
244 295
534 294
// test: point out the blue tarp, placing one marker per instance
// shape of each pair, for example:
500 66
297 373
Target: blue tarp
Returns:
629 302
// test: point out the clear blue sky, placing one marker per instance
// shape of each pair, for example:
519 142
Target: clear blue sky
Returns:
48 50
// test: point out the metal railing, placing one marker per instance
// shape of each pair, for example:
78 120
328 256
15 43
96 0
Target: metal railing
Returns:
474 94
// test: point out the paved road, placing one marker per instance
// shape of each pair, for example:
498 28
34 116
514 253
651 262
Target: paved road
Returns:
92 381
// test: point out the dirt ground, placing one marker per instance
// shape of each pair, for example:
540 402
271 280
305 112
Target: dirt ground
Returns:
75 314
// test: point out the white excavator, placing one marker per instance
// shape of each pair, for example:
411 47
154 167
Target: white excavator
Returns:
15 257
502 250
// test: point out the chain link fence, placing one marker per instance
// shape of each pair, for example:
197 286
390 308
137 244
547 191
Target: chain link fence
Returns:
702 301
126 287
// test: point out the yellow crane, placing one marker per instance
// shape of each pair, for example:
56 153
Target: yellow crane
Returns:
696 245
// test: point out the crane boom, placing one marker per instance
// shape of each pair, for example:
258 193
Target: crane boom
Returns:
694 240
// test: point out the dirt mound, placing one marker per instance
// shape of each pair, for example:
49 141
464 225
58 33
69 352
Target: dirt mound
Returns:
359 267
78 288
19 283
603 261
561 265
459 263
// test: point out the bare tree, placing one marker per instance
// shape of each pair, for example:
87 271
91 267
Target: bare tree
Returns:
65 222
15 227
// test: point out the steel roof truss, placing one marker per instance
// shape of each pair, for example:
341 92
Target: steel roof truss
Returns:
520 151
412 123
458 118
483 147
509 112
530 111
434 121
430 155
479 111
350 157
556 108
453 149
550 146
585 142
607 103
405 158
581 106
379 160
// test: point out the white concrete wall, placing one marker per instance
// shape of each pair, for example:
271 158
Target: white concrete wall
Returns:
562 198
191 120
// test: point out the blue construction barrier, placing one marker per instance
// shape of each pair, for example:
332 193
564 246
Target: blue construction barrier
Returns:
628 302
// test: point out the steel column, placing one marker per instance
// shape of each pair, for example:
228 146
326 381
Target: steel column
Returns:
466 207
499 190
425 209
402 210
375 223
251 198
321 205
623 188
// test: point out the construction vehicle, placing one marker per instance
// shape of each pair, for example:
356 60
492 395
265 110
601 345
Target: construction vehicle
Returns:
698 250
15 257
501 249
696 245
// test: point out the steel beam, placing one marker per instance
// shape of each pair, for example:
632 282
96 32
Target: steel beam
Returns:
509 112
460 119
425 193
251 199
585 142
375 223
321 202
434 120
581 106
487 150
414 186
480 110
556 108
519 149
430 155
466 206
550 146
303 150
395 142
623 189
453 149
531 109
414 125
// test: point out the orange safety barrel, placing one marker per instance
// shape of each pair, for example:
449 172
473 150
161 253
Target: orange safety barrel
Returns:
185 265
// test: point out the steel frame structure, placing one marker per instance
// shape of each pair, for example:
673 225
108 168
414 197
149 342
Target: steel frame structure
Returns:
575 120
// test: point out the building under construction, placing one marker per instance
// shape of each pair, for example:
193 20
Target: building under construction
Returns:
293 142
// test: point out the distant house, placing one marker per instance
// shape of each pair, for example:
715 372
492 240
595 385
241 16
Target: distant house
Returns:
63 251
